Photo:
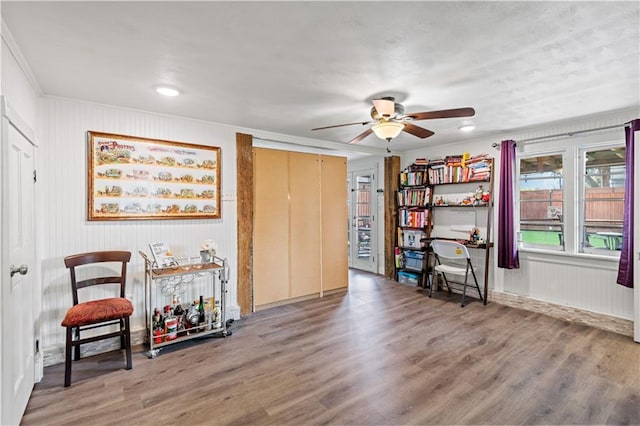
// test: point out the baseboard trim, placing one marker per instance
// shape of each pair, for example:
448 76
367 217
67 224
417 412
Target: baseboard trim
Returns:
301 298
55 354
567 313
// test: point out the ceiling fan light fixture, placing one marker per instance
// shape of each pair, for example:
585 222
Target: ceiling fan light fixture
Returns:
387 130
467 127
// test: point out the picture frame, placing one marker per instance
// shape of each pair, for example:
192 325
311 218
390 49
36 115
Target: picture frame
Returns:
136 178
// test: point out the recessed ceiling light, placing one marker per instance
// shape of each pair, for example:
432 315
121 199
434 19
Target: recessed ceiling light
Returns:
167 91
467 127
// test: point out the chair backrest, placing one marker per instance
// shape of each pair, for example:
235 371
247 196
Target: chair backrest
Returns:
449 249
82 259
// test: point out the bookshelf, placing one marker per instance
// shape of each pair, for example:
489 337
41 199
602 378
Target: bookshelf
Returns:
448 198
462 206
414 200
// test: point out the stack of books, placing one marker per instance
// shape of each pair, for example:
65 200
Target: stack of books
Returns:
451 169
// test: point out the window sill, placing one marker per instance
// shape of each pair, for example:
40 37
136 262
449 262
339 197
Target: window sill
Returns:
577 259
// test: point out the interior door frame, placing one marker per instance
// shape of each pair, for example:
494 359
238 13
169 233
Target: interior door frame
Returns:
10 118
354 261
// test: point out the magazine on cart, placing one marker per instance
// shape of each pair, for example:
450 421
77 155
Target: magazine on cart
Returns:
162 255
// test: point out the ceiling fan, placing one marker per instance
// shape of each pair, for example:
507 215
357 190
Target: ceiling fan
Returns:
389 120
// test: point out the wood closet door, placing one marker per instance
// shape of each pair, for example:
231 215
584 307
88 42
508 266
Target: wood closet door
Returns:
335 267
304 223
271 226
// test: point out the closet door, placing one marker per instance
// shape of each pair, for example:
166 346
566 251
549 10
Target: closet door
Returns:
300 218
335 273
271 226
304 219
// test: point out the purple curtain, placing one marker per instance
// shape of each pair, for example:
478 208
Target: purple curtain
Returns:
625 267
507 244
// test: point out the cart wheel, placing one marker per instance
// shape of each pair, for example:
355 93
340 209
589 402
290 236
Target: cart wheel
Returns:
153 353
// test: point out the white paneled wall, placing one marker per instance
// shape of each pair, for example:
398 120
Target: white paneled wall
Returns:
62 173
577 281
569 281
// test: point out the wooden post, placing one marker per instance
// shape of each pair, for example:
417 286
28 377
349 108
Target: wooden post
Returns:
391 172
244 195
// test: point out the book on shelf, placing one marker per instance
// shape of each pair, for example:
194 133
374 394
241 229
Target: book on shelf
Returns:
414 197
398 257
449 171
413 218
162 255
409 178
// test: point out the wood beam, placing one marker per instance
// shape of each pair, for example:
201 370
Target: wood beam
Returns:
391 172
244 195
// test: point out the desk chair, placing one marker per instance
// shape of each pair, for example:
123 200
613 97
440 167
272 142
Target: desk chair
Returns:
450 256
97 313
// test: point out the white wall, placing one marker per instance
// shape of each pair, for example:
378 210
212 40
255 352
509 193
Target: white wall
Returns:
63 171
578 281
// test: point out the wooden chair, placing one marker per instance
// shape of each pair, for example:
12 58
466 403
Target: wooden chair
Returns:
447 253
97 313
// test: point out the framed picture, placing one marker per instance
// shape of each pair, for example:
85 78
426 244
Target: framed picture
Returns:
133 178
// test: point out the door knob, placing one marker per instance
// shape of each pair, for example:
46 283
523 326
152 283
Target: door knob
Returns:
22 269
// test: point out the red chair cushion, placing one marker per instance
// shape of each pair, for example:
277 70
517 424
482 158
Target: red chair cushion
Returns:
97 311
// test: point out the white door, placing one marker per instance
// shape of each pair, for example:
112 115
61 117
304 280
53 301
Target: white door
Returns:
18 248
363 241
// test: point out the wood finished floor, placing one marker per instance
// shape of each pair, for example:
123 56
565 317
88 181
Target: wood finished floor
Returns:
381 354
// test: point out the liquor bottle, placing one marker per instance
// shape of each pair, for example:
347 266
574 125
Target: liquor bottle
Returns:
201 311
208 316
192 318
165 316
217 320
170 324
178 312
157 326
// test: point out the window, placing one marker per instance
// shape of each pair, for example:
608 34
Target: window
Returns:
603 176
572 200
541 202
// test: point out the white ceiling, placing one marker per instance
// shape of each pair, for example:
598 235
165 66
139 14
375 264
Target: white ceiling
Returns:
288 67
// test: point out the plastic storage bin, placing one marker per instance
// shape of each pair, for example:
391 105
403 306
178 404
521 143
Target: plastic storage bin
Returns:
408 278
413 260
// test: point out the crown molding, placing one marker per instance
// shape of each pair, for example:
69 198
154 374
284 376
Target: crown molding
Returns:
15 51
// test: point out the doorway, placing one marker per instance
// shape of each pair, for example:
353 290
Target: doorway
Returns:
363 233
19 289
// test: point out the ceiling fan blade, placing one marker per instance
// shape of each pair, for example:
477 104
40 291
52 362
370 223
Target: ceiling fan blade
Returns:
361 136
445 113
362 123
417 130
385 107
